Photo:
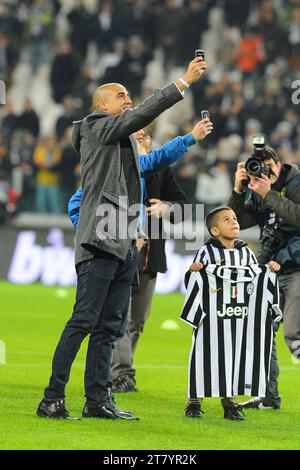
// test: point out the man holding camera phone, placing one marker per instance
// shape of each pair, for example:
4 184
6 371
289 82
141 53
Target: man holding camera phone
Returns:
106 262
271 199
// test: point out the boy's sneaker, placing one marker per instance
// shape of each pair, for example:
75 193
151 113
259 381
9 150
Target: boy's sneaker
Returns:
193 410
261 403
53 409
234 413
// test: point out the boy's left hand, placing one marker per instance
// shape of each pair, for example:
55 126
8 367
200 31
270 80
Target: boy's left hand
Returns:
274 267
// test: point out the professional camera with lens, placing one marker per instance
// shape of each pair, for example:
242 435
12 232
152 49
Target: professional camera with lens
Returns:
255 164
272 240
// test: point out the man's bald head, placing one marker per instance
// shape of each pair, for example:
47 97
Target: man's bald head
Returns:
112 98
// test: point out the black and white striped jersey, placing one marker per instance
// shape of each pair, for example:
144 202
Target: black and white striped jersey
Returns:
232 308
213 252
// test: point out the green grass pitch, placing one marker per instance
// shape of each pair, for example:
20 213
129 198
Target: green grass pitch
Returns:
31 320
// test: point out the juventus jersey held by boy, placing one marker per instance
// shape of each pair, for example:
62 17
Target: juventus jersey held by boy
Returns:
231 308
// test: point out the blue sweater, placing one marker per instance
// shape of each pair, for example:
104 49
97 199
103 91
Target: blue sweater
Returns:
150 163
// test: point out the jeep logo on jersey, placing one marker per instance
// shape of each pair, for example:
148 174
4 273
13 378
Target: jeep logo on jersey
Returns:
233 312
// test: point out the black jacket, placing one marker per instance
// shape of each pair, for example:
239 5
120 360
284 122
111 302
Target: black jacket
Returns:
284 202
163 186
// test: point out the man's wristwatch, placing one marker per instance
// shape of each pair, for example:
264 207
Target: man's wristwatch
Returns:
186 84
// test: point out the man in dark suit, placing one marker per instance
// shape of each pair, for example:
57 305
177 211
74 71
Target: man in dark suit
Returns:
105 259
162 191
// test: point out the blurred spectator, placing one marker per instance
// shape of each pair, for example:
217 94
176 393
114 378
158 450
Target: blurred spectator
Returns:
186 172
169 24
5 167
70 113
9 122
23 170
131 70
233 115
47 158
269 109
10 24
8 58
83 89
249 53
213 186
67 169
273 34
39 31
81 22
29 120
294 33
194 21
106 70
109 23
234 15
141 20
64 71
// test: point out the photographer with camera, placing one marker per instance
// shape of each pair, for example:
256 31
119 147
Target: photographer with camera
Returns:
267 193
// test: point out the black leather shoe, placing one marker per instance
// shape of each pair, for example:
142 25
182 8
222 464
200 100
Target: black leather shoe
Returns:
118 410
261 403
193 411
234 413
125 383
53 409
107 411
104 411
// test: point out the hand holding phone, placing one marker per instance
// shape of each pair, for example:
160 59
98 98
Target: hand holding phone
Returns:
200 53
205 114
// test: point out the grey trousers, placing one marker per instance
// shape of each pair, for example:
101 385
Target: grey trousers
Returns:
289 285
272 395
139 311
290 291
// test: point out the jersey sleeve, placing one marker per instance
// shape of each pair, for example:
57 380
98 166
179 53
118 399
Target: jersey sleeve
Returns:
192 311
274 297
200 257
252 259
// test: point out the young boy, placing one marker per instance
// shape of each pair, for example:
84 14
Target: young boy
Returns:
223 249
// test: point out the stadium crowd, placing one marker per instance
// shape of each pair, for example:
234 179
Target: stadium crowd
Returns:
68 48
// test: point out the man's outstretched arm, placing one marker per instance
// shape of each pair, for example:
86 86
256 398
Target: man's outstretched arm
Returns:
173 150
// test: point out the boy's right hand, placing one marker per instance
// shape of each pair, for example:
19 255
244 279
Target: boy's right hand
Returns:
196 266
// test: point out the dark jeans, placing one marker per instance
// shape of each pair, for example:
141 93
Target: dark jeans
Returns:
102 299
138 313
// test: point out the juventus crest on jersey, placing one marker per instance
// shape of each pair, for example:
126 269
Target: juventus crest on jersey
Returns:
231 308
